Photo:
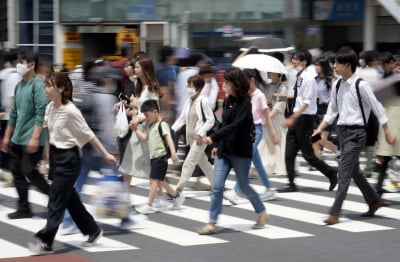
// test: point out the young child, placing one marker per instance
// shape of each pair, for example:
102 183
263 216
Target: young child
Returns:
158 156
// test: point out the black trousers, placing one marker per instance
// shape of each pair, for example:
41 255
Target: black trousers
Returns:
298 138
24 168
65 166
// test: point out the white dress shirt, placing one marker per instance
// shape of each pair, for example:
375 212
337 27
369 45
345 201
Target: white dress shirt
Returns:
306 92
347 106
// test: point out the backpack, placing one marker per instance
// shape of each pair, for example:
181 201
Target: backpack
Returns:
372 126
173 136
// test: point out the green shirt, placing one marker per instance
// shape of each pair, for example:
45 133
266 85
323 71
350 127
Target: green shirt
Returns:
156 144
28 111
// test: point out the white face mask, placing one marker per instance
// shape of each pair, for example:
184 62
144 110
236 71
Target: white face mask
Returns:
298 68
268 81
190 91
22 69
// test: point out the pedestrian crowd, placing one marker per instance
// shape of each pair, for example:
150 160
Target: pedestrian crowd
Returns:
257 122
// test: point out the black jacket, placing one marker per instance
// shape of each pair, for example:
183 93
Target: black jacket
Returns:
236 133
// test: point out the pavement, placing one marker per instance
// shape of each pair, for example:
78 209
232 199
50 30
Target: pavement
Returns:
295 232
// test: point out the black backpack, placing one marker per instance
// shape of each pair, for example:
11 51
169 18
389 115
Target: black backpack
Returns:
372 126
173 136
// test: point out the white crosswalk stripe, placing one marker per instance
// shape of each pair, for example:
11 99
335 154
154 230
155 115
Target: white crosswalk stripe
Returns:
305 220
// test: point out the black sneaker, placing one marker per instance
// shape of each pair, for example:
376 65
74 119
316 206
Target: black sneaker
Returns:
40 248
287 188
92 239
19 214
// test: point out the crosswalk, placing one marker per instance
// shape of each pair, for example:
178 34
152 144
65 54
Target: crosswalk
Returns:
293 215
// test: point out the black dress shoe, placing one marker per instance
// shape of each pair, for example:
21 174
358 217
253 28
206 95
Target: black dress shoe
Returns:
19 214
287 188
333 182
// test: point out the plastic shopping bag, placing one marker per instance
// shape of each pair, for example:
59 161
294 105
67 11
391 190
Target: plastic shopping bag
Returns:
110 199
121 125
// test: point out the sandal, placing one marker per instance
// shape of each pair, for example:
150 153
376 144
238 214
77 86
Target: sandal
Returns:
261 221
208 229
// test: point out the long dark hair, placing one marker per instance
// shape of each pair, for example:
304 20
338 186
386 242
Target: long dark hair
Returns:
61 79
149 74
254 73
323 62
240 82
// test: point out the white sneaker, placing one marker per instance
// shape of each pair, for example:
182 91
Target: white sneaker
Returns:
232 197
178 201
161 203
146 209
268 195
72 229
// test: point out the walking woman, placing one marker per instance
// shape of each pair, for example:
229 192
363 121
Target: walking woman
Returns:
68 133
234 147
136 161
261 118
324 80
273 156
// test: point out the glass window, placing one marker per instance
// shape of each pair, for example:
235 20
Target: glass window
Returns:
45 53
45 33
26 33
25 10
46 10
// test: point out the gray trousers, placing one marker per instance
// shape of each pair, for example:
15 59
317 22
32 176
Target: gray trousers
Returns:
352 141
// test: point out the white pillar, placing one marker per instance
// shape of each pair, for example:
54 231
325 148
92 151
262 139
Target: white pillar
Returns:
369 26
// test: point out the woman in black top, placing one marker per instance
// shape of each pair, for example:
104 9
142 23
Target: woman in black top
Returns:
233 140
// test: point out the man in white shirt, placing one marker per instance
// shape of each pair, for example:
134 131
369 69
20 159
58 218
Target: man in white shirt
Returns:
352 132
9 78
301 123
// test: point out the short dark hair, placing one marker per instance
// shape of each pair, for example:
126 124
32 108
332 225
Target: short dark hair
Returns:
303 55
29 56
370 56
346 55
197 81
386 57
149 105
278 55
165 51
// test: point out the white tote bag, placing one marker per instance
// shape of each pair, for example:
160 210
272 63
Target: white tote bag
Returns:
121 125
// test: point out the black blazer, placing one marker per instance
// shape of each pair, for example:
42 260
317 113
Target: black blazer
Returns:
235 134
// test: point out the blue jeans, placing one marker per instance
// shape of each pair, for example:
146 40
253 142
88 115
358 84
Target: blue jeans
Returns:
257 160
222 167
89 163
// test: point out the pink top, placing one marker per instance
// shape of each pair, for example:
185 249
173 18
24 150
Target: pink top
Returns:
258 103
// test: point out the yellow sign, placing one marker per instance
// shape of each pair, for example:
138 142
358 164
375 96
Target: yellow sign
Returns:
127 36
72 57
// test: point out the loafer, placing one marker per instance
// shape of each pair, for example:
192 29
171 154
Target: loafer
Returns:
373 208
331 220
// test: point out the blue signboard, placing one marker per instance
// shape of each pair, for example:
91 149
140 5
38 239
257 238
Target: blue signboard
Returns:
338 10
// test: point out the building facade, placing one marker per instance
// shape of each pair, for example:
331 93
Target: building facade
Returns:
71 31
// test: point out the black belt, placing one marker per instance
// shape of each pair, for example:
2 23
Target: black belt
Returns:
352 127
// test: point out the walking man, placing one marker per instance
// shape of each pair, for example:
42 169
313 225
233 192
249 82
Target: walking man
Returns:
23 138
352 132
301 123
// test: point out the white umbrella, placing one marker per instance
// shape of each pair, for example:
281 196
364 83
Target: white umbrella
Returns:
263 63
